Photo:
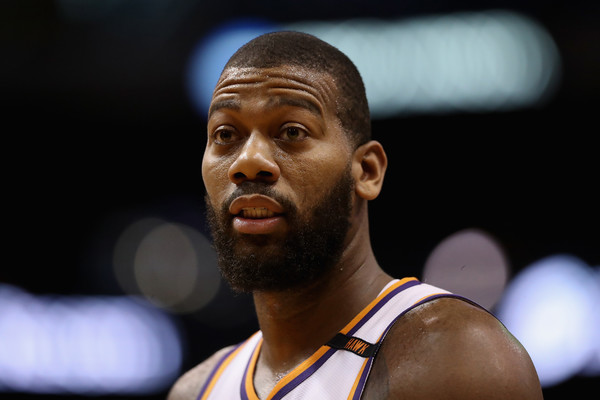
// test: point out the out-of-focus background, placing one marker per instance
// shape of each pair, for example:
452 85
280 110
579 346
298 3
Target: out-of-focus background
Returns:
108 283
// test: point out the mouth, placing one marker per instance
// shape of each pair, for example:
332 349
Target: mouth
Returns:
256 213
255 206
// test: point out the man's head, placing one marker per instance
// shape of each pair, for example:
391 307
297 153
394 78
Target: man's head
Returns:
288 163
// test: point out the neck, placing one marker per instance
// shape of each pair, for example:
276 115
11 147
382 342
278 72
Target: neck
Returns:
296 322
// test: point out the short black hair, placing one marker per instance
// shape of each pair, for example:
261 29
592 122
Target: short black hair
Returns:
301 49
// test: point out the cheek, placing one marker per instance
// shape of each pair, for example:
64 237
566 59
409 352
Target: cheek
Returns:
312 179
214 175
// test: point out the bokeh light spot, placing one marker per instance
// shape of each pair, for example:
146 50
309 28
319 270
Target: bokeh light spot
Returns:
478 62
89 345
550 307
469 263
211 54
172 265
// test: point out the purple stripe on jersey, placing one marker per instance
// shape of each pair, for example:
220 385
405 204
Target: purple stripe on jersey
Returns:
363 379
214 371
380 304
243 393
304 375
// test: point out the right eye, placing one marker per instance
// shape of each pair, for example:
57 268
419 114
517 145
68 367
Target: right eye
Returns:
225 136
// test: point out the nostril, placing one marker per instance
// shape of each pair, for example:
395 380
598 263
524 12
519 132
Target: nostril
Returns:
260 175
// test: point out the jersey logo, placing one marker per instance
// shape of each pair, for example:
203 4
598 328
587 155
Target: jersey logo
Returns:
354 345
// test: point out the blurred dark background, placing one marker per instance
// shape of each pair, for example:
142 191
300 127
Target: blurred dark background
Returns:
97 123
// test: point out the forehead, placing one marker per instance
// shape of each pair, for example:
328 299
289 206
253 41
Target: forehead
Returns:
316 89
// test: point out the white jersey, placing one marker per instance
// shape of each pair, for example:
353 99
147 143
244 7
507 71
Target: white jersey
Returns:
339 369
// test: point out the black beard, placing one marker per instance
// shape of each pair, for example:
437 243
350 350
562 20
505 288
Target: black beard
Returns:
311 248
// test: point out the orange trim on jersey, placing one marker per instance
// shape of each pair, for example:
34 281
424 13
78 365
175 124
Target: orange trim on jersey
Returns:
222 367
249 381
298 370
357 380
374 303
249 378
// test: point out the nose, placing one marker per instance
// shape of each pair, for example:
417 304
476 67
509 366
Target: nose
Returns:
255 162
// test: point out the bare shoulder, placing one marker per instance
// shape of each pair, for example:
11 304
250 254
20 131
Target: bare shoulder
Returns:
188 386
450 349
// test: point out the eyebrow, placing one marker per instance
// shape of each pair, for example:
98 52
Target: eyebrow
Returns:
230 104
297 102
276 101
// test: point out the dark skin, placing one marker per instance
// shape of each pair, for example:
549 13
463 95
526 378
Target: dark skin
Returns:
279 126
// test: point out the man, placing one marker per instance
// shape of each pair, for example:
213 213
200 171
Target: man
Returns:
289 168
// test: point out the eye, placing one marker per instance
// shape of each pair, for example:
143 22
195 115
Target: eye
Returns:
293 133
225 136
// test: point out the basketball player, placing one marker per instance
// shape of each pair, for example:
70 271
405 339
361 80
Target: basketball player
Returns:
289 168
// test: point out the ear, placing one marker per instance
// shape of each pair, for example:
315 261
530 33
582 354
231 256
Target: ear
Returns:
368 168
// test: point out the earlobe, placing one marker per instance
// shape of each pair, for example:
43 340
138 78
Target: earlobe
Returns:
368 167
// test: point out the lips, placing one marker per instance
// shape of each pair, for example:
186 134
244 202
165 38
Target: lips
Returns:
255 206
256 214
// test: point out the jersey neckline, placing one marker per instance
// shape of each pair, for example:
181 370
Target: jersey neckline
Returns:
305 369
